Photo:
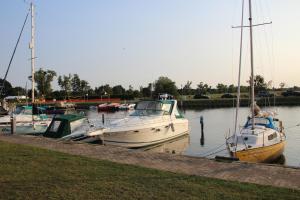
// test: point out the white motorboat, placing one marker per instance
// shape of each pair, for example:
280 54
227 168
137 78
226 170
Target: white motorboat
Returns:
152 122
127 106
26 123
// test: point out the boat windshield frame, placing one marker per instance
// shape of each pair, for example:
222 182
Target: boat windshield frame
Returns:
26 110
156 108
268 123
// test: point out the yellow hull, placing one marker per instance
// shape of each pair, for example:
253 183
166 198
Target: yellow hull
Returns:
261 154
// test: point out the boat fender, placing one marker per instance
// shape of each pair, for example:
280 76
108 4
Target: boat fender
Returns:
172 127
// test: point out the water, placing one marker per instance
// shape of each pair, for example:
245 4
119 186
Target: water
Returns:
218 123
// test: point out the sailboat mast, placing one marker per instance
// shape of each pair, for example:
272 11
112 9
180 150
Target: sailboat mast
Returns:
31 46
240 68
251 62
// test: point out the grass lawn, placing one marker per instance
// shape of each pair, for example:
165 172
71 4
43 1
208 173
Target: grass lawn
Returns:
33 173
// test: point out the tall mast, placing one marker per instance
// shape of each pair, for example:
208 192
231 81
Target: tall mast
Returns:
252 68
240 68
31 46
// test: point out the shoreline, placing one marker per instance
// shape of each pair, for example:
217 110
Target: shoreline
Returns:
263 174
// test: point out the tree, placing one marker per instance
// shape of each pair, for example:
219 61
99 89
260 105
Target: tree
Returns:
222 88
65 83
165 85
58 94
145 91
187 89
259 84
136 93
202 88
103 90
18 91
244 88
29 94
118 90
130 90
231 88
43 81
5 89
84 87
76 84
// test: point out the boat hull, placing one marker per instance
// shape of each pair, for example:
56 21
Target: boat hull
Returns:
261 154
25 128
136 138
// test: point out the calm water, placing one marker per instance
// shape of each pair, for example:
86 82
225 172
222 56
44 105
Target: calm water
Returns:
218 123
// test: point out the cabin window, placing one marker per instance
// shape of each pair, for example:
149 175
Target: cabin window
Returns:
54 127
272 136
177 113
152 108
259 121
166 108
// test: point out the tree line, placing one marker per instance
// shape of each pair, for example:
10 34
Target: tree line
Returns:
72 86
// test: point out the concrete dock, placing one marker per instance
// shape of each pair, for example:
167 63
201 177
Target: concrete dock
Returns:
264 174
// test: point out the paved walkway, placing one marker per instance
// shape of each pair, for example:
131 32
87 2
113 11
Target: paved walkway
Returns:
244 172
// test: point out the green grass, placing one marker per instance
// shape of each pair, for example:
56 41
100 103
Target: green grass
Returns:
33 173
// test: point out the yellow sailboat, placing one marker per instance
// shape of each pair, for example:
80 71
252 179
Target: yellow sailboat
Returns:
262 138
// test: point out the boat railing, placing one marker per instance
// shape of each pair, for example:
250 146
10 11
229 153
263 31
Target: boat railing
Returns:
112 121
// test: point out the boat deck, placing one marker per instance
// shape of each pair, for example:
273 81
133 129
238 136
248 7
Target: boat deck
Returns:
264 174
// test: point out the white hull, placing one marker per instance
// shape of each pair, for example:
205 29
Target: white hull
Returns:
24 124
141 137
153 122
25 128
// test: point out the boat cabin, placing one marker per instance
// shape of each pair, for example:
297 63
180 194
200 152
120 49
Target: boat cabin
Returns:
159 107
63 125
267 122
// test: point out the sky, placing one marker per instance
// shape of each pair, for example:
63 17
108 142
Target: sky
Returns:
133 42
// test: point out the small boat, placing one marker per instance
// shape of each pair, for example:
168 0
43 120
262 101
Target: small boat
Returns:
113 107
63 125
52 110
108 107
93 107
260 139
127 106
103 107
151 123
26 122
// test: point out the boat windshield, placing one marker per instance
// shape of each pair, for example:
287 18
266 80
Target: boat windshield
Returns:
261 121
26 110
145 108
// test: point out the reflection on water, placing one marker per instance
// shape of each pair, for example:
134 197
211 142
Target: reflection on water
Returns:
220 122
281 160
175 146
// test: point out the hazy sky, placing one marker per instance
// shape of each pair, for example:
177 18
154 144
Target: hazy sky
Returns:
136 41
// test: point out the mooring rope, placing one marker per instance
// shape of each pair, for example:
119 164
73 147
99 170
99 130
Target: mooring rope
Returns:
215 152
211 150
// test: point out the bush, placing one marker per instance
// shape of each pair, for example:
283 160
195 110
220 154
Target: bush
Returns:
200 96
290 93
227 95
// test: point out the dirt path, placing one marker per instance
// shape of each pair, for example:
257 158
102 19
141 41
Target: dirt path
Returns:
244 172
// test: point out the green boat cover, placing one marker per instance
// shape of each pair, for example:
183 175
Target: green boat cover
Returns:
60 125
